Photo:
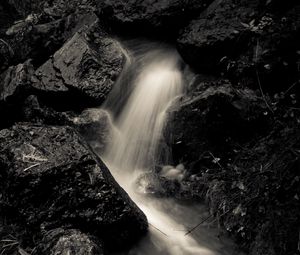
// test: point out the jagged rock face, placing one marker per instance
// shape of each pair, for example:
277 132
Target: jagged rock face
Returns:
250 42
165 16
68 242
50 178
14 82
216 32
87 65
55 8
213 119
37 37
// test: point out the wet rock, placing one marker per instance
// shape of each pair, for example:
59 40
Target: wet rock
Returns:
37 38
271 56
95 126
144 16
217 32
50 178
7 16
83 71
55 8
154 184
212 120
69 242
15 84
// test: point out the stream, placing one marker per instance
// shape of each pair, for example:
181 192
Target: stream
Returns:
151 82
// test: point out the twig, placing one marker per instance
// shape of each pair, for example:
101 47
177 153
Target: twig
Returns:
158 229
192 229
292 86
261 91
37 164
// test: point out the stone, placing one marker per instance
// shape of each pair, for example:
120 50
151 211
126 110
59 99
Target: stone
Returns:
83 70
144 16
211 120
50 179
217 32
69 242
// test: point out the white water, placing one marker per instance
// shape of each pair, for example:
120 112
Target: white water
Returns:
137 130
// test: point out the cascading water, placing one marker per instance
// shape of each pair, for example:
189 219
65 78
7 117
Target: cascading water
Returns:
135 137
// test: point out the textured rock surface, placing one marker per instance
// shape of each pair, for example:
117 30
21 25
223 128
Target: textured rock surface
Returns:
49 178
217 32
15 82
136 16
69 242
213 118
87 65
38 36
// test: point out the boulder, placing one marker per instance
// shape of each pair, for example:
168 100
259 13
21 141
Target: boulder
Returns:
51 179
83 71
55 8
15 84
212 119
217 32
143 16
253 43
93 124
37 37
68 242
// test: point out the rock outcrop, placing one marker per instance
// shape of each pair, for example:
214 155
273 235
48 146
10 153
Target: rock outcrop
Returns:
213 119
51 179
83 70
144 16
71 241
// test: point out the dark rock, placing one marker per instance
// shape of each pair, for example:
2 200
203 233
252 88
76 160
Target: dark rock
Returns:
248 42
83 70
55 8
25 7
15 85
7 16
213 119
271 56
144 16
71 241
15 82
156 185
93 124
217 32
252 196
50 178
38 39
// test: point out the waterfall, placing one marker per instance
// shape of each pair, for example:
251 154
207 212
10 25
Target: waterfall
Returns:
152 82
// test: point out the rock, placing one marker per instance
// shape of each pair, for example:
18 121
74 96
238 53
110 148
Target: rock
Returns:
7 16
69 242
50 179
29 38
83 71
143 16
95 126
25 7
217 32
270 56
156 185
15 82
212 120
55 8
15 85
